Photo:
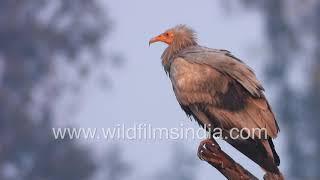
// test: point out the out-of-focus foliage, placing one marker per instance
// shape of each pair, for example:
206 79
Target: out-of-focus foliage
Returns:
293 34
34 36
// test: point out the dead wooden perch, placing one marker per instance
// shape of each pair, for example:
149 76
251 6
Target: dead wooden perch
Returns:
210 151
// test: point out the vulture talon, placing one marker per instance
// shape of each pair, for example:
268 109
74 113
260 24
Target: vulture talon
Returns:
200 156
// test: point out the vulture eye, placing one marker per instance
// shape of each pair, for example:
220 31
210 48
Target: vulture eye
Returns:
166 34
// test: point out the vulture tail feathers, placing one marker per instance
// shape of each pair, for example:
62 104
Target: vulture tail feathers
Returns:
258 151
275 155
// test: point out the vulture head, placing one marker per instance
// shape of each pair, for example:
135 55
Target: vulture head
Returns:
177 37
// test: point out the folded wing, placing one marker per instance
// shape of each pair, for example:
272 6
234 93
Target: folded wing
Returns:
216 88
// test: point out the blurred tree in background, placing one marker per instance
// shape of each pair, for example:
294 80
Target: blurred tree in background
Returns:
36 37
293 34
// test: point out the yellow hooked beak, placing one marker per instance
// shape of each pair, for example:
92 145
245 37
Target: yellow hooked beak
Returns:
161 38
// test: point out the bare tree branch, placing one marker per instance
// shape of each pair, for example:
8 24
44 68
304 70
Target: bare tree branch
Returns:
210 151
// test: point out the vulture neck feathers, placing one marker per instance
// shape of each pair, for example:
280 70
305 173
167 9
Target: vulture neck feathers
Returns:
184 37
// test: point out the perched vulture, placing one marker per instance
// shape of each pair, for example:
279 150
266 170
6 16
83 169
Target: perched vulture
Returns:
218 89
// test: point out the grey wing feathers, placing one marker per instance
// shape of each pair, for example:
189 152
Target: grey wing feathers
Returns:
218 89
225 62
221 96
